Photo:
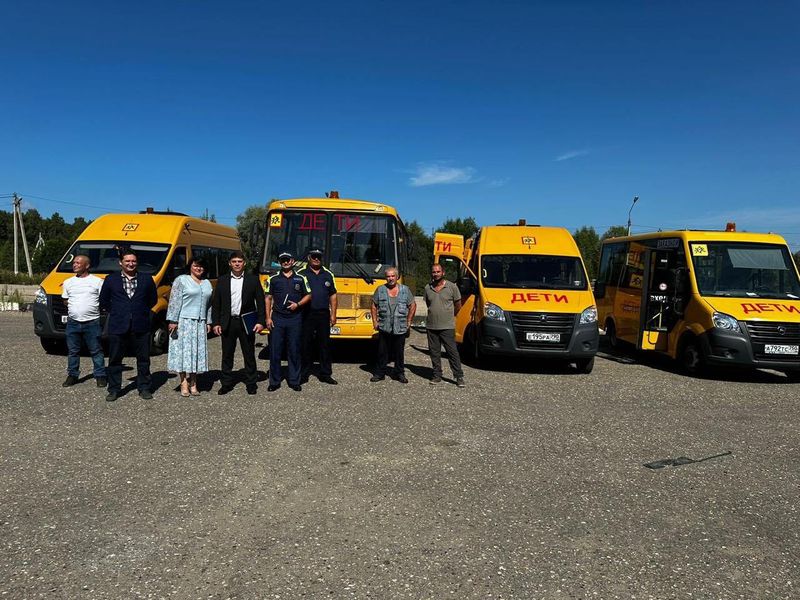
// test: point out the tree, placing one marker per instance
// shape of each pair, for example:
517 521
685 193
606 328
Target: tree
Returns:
45 258
464 227
251 244
614 231
420 258
589 244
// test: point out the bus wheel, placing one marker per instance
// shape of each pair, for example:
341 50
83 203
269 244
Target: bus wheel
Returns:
611 334
585 365
691 357
53 346
160 338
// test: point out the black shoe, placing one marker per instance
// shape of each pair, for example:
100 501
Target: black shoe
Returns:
225 389
402 379
273 388
146 395
304 380
252 389
111 396
101 382
328 379
375 378
69 381
460 382
296 388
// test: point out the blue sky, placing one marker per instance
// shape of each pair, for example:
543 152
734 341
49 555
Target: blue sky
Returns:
558 112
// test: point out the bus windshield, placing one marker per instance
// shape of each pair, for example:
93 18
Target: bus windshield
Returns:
533 271
104 256
353 244
744 270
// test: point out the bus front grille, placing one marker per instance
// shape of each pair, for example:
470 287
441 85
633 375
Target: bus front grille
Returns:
524 323
350 301
59 311
780 334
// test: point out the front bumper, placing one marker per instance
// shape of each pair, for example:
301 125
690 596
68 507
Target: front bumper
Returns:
727 349
508 339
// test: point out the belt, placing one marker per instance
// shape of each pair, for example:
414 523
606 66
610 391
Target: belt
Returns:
236 316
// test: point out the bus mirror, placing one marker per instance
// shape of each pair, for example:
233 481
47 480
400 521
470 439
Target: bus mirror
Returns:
466 286
599 289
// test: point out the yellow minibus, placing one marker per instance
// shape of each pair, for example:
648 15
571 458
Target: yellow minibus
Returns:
721 298
163 241
359 239
524 291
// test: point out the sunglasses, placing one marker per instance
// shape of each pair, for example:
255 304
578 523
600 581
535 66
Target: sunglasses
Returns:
283 260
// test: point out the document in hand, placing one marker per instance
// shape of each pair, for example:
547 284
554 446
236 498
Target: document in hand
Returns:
249 321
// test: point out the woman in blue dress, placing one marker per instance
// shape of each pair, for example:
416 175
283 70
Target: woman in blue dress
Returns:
188 314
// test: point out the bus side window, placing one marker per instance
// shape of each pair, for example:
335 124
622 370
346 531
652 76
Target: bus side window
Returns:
177 265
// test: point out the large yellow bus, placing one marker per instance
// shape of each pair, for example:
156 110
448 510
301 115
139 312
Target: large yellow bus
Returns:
721 298
359 239
525 293
163 241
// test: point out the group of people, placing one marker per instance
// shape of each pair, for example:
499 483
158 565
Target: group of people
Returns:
298 307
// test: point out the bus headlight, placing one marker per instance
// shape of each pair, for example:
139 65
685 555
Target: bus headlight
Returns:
726 322
589 315
41 296
492 311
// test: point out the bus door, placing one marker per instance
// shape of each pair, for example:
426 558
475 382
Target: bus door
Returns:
659 295
456 271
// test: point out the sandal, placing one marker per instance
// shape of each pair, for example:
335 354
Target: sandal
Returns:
185 388
193 387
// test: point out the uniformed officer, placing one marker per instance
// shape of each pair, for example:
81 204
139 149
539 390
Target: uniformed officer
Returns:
319 317
286 294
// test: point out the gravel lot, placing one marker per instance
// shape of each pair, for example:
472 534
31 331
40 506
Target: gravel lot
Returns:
527 484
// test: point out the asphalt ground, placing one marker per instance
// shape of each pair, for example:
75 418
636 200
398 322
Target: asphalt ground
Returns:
529 483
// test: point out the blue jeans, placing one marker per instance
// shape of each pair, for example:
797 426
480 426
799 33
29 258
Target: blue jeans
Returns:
88 332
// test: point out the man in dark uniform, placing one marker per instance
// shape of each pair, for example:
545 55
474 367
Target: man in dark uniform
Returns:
319 317
287 293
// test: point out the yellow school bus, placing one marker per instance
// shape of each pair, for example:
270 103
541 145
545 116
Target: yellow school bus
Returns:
163 241
524 291
721 298
359 239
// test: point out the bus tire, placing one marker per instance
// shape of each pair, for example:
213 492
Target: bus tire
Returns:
611 334
585 365
51 346
691 356
159 340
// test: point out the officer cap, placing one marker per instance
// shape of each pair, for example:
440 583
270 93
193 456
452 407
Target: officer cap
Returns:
285 254
315 250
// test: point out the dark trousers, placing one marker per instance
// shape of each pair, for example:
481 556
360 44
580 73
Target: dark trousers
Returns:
117 345
88 332
317 334
447 338
288 332
391 347
247 342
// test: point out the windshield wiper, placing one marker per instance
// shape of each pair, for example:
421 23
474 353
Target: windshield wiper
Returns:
358 268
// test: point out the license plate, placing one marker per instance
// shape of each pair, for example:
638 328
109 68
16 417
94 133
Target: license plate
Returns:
336 330
63 318
543 337
781 349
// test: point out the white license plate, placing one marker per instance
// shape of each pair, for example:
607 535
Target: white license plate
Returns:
781 349
63 318
336 330
543 337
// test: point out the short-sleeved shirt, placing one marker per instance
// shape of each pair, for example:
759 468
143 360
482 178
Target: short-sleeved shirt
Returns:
322 286
83 296
285 290
441 305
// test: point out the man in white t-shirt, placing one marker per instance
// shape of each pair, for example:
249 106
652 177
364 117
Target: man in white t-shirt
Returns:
82 295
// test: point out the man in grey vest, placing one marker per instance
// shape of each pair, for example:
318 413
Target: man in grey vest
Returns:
443 301
393 309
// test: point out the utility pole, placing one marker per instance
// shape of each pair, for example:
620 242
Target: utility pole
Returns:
635 200
18 220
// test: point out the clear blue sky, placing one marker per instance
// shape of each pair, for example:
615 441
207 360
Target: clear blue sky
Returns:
559 112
